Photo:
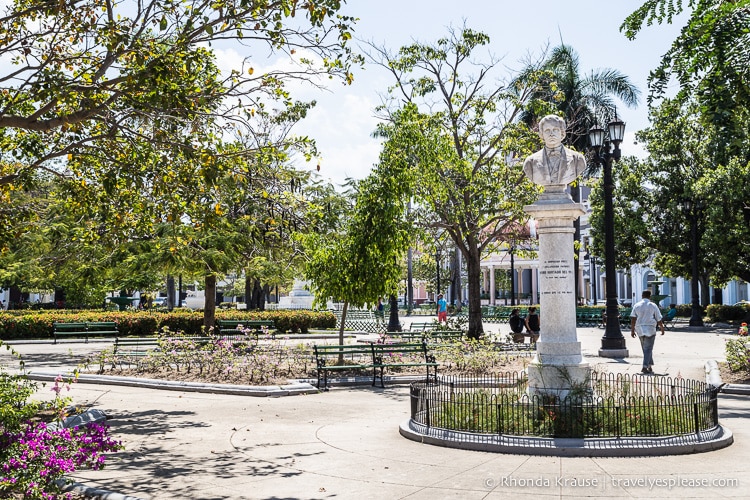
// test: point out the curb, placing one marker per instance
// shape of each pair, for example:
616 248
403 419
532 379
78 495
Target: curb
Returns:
91 492
736 389
715 439
292 389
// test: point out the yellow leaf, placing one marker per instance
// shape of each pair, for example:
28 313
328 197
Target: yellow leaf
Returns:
250 71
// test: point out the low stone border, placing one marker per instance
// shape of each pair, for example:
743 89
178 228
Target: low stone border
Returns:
91 492
715 439
171 385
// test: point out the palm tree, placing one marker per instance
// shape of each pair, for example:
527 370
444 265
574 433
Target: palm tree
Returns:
583 100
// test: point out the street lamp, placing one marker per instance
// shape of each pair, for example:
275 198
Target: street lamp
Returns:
512 273
437 268
613 342
592 262
692 210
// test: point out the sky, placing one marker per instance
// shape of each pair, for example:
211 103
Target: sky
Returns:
343 120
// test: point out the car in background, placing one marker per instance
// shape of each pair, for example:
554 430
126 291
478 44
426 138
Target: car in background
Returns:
742 303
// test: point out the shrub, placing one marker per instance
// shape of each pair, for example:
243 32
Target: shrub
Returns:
40 324
724 313
738 354
34 457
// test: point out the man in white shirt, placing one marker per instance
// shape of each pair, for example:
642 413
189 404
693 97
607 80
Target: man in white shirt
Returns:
644 319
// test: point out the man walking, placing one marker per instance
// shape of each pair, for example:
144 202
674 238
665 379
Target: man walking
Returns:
644 318
442 309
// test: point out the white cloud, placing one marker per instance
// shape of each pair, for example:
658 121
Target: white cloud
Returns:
342 126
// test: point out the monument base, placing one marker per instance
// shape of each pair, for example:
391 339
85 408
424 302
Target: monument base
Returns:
613 353
559 380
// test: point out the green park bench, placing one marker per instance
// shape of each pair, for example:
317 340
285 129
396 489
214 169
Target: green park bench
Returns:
233 327
85 330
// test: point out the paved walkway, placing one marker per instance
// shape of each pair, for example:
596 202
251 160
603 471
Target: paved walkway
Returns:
345 443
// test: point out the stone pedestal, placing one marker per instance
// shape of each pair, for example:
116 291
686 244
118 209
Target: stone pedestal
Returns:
558 366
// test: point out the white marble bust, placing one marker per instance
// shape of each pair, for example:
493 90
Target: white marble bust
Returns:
553 166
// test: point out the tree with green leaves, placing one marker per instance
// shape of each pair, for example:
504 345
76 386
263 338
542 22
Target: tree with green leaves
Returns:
87 70
457 131
709 118
583 99
710 60
361 259
727 233
652 218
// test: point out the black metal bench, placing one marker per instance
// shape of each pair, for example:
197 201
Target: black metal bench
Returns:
229 327
375 357
85 330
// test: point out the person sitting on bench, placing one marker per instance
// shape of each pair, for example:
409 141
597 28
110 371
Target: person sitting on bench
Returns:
517 325
532 324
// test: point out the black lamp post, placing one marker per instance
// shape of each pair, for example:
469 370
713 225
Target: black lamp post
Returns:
692 209
613 342
437 268
512 273
592 262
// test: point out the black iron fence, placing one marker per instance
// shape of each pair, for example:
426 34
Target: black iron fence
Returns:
614 405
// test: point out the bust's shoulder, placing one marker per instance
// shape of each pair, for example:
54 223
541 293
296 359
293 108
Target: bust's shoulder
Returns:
534 157
572 153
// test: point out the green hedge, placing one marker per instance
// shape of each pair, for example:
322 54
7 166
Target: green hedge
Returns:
27 324
722 313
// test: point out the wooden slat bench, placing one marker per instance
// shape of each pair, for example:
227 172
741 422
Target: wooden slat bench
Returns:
255 326
442 336
422 326
85 330
102 328
140 346
375 357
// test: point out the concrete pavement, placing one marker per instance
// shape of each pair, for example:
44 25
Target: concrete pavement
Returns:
345 443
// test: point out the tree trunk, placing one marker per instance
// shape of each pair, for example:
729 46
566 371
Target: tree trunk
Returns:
705 298
209 309
341 331
394 325
170 292
248 290
265 297
409 283
456 279
257 295
474 273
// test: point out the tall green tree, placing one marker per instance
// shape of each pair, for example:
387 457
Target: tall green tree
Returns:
710 60
583 99
456 129
652 221
86 70
361 260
